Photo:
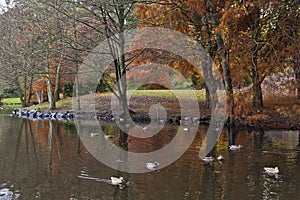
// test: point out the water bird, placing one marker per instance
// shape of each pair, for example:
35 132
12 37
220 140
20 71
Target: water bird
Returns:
235 147
187 118
271 170
161 121
220 158
116 181
108 136
94 134
207 159
186 129
152 165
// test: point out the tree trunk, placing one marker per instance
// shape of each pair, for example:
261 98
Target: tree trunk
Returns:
297 76
57 85
51 98
49 92
19 90
210 90
120 64
38 96
257 100
225 67
227 79
257 93
42 96
78 106
77 90
30 89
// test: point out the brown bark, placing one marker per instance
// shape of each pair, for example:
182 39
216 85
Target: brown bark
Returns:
297 76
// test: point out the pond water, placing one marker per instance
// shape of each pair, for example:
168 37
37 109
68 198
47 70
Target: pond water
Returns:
40 164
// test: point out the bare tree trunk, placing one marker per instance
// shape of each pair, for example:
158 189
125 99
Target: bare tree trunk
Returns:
51 98
19 88
30 89
120 63
20 92
38 96
57 83
77 91
49 92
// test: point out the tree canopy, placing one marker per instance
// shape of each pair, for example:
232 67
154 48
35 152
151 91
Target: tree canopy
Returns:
44 42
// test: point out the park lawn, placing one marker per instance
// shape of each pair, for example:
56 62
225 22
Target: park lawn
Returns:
199 94
64 104
104 98
11 100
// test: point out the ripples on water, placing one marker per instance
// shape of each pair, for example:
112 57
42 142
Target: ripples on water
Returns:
38 164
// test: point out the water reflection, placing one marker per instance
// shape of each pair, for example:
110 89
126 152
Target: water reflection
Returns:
47 160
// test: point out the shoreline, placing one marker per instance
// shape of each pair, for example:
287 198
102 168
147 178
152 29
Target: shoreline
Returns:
266 118
277 123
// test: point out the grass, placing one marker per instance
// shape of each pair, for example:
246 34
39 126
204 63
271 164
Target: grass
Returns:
11 100
64 103
186 94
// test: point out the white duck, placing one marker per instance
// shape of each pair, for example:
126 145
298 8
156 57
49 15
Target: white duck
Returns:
186 129
235 147
145 128
94 134
271 170
108 136
117 181
220 158
209 159
152 165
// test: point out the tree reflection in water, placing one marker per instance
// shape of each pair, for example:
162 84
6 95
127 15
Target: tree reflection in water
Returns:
46 160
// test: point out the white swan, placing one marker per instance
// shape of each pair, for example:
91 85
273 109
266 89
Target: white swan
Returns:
235 147
271 170
152 165
116 181
208 159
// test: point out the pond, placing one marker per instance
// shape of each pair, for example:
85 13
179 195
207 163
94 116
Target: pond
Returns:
37 163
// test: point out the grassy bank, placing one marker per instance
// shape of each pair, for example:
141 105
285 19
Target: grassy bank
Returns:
104 99
276 113
11 101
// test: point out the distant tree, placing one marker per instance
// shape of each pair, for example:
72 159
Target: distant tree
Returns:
262 39
16 66
105 20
